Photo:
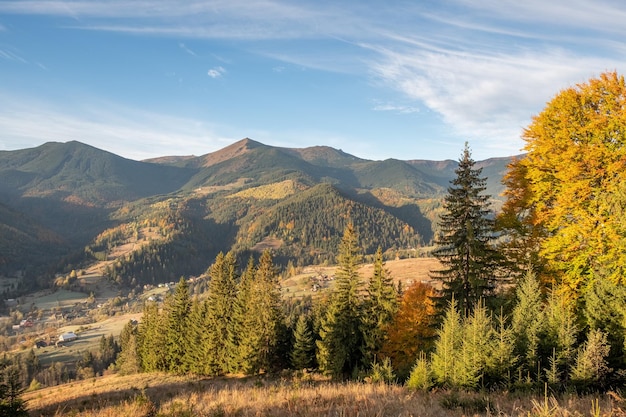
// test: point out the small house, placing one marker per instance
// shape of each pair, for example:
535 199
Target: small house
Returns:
68 337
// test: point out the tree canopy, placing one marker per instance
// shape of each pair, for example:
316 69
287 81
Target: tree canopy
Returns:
569 191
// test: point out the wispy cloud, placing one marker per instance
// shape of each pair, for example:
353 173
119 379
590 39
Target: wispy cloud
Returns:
129 132
9 55
216 72
391 107
186 49
484 67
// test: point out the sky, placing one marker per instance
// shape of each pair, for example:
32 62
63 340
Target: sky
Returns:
376 79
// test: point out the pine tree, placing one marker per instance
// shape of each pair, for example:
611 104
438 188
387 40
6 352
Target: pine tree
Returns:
262 325
447 347
176 316
591 365
561 330
504 358
303 352
220 332
151 340
128 360
11 389
338 350
195 359
465 243
476 352
380 307
241 311
528 321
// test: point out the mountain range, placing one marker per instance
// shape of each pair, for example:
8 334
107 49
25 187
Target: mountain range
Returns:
62 204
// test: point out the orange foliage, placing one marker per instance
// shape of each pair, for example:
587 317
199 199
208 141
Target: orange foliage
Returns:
412 329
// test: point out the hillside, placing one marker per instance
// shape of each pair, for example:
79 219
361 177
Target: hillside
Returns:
59 198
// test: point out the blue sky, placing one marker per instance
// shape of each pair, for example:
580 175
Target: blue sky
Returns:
394 79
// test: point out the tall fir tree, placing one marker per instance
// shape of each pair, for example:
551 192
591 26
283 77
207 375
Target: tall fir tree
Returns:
528 322
128 360
151 340
261 330
176 312
444 359
220 332
464 245
303 351
380 307
241 311
339 346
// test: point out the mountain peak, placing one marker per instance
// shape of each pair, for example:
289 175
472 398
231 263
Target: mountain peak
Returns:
240 147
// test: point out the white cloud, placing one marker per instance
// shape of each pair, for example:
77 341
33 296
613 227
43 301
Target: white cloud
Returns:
128 132
186 49
216 72
12 56
396 108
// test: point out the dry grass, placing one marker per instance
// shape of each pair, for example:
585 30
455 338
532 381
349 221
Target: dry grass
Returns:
166 395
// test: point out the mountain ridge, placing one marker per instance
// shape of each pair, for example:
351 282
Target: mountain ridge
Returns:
75 192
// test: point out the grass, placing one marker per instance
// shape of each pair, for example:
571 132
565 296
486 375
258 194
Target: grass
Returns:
166 395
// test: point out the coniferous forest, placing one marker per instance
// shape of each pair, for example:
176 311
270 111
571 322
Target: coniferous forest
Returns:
527 298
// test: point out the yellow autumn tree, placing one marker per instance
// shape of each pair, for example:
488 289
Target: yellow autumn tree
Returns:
570 188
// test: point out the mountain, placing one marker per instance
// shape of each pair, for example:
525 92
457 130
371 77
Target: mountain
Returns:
64 204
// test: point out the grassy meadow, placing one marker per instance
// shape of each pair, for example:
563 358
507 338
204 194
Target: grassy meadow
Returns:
309 395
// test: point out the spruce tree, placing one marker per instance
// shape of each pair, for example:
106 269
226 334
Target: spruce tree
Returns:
338 350
528 322
241 312
128 360
220 332
380 307
303 351
195 359
151 340
464 245
444 360
176 313
261 330
476 352
561 331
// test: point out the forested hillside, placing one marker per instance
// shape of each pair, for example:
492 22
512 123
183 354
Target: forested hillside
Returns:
236 198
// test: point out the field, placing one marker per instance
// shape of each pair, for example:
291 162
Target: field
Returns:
166 395
313 279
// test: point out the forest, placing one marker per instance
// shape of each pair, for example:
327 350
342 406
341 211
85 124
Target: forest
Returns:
527 299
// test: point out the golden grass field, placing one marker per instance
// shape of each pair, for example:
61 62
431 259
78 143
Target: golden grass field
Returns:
168 395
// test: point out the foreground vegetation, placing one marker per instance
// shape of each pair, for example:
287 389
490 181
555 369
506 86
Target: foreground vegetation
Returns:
166 395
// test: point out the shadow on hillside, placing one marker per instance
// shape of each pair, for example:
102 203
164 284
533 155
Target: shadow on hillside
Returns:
94 399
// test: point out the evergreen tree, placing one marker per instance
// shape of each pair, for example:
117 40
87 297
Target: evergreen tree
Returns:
504 358
220 331
464 245
591 365
261 330
128 360
528 322
605 309
11 389
561 332
195 358
447 347
338 350
380 307
303 352
241 311
476 351
176 316
151 340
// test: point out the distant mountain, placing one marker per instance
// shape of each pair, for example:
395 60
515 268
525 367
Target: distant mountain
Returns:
60 198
